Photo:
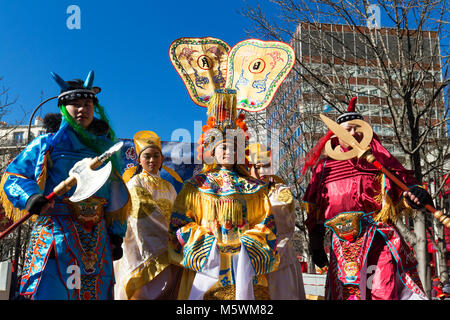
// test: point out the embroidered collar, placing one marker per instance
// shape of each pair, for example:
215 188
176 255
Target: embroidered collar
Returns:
225 182
157 175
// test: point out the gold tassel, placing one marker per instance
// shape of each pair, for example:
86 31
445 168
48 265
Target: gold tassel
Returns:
389 212
230 208
208 207
219 101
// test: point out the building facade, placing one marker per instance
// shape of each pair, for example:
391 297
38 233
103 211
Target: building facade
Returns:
13 138
334 64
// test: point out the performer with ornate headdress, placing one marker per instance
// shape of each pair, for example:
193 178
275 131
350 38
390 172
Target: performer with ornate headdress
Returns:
285 283
73 244
369 259
144 271
222 230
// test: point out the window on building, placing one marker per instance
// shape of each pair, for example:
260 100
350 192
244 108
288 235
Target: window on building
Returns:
18 137
376 128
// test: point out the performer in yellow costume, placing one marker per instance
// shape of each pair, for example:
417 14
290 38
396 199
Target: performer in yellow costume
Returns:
285 283
144 271
222 230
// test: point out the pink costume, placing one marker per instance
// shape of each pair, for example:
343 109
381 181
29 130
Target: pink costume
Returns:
369 260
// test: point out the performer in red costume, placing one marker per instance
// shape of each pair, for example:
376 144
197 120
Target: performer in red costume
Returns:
369 259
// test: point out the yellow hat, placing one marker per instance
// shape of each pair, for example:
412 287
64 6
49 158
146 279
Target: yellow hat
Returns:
145 139
257 153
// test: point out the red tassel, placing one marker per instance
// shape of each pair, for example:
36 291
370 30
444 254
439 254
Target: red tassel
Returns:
313 155
352 105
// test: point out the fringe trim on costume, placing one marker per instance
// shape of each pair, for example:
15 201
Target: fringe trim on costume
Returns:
221 99
223 208
389 212
146 273
122 213
11 212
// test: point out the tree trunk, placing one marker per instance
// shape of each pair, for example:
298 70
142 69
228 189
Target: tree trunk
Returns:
420 248
440 258
441 246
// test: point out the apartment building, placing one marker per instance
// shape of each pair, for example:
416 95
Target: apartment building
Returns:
13 138
333 60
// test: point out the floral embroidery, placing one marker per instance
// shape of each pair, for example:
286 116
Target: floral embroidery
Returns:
225 182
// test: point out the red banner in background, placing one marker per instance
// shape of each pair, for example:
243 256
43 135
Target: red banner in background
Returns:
431 245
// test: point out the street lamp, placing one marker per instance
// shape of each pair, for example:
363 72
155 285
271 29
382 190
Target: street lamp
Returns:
32 116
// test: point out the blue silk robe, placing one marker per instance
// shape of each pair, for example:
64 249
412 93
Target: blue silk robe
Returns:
78 233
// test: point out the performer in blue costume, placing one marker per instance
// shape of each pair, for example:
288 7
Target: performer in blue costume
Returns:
72 245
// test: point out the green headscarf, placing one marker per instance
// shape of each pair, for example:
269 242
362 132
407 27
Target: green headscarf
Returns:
96 143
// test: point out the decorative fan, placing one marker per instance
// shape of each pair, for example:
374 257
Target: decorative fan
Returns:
254 68
202 64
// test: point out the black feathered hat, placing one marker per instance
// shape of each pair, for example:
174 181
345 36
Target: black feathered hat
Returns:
351 114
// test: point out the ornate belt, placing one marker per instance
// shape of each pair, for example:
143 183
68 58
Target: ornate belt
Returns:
87 213
346 225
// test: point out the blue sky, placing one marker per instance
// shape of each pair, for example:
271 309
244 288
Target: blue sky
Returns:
126 44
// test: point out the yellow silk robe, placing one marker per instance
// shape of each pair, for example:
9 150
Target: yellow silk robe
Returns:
144 270
226 212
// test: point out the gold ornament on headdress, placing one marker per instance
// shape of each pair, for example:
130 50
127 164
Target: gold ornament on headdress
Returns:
222 106
145 139
258 153
223 122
